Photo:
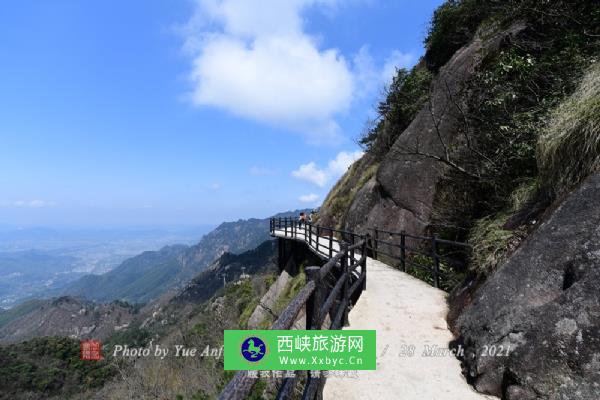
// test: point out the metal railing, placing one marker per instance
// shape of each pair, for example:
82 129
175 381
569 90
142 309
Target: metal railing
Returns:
427 254
428 257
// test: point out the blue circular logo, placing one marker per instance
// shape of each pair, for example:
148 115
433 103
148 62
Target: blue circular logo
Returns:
253 349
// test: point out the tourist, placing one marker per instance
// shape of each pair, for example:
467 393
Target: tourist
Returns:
302 220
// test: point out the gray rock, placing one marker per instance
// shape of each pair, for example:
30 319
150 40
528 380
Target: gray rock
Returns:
267 302
543 304
385 202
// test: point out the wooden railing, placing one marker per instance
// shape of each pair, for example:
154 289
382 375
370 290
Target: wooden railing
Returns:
327 295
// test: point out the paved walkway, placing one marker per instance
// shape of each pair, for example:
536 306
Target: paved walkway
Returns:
407 314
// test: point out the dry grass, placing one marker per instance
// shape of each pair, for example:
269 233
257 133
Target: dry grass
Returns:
569 148
492 243
342 195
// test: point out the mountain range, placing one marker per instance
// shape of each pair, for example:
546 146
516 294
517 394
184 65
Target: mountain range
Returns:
147 276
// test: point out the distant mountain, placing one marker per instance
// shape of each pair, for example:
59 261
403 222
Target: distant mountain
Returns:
29 273
7 316
48 365
66 316
137 280
232 266
149 275
232 237
34 261
79 318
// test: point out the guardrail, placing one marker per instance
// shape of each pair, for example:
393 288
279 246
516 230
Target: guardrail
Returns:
428 257
346 254
428 254
327 295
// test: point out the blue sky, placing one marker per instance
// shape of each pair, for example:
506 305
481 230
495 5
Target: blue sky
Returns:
188 112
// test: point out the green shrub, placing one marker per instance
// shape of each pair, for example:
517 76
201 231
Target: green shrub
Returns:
132 337
49 366
490 242
452 26
508 102
404 97
200 396
449 278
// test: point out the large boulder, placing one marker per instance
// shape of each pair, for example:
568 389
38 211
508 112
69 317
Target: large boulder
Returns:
543 308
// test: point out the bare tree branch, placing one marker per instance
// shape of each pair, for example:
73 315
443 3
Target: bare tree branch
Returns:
444 160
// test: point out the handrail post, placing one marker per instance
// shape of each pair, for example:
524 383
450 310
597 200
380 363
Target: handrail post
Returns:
403 251
279 225
436 261
363 264
318 238
375 244
285 226
330 244
346 274
313 305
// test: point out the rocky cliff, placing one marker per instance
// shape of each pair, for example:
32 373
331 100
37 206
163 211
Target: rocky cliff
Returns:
503 151
542 309
407 178
456 135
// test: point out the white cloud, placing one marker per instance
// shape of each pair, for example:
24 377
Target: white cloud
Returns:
254 60
335 168
29 204
256 170
215 186
309 198
310 172
339 165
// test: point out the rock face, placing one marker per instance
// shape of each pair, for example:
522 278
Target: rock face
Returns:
384 200
267 302
543 307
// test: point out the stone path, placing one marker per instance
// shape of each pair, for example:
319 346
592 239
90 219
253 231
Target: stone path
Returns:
409 317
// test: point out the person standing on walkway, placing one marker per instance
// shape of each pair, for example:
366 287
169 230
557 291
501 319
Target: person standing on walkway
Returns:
301 220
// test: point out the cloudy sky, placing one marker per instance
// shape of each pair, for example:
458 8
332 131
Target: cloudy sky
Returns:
188 112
